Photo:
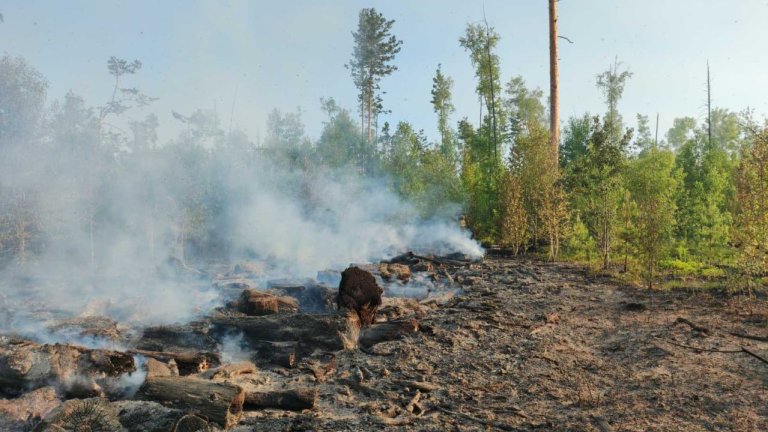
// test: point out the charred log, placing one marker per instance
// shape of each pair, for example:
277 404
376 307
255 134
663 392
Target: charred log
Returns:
258 303
220 402
26 365
284 354
187 362
291 400
326 332
178 338
388 331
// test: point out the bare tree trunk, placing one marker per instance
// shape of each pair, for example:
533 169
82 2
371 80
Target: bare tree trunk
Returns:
650 272
709 109
492 102
370 114
554 81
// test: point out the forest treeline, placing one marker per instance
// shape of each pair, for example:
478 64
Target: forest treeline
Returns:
692 201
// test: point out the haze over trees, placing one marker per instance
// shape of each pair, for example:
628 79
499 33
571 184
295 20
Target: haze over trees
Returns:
692 203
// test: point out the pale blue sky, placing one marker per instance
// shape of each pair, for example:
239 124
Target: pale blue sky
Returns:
290 53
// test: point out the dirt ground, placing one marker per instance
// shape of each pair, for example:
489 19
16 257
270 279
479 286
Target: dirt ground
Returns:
547 346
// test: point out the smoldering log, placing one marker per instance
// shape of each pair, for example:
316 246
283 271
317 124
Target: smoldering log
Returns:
26 365
387 331
291 400
284 354
88 326
258 303
178 338
327 332
220 402
188 362
359 292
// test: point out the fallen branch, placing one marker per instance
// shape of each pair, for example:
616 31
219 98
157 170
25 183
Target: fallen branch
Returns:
704 349
748 336
762 359
696 327
740 350
492 424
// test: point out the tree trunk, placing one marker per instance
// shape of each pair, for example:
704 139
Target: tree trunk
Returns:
554 82
370 114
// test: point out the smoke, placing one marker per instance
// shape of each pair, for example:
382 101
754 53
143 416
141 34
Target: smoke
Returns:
351 219
102 221
233 348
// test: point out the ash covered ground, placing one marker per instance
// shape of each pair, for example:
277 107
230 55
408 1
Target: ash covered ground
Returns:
501 344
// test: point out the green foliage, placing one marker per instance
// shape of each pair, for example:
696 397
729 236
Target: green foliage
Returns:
611 83
579 243
340 142
752 212
421 175
594 182
576 136
653 180
22 96
443 106
704 201
513 231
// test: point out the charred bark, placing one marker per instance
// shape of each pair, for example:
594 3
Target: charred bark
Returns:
26 365
284 354
220 402
359 292
291 400
258 303
326 332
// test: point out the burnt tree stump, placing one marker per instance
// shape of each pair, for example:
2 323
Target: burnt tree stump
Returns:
359 292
